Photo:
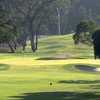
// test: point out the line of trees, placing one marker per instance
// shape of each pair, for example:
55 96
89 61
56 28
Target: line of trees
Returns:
25 16
30 17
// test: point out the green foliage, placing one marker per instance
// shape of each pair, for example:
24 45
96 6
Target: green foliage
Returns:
7 29
82 27
84 32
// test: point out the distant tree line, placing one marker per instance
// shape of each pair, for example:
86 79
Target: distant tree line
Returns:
27 19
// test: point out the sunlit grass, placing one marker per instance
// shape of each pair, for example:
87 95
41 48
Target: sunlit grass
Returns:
30 73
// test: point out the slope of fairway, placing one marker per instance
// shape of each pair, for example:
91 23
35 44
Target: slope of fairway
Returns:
59 70
63 46
56 47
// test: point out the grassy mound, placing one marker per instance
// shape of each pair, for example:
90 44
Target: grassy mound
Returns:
63 46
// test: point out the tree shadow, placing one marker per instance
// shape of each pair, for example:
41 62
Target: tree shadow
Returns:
4 67
79 81
57 96
53 58
60 58
78 58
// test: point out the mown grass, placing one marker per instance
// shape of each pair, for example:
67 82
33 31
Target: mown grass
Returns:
24 76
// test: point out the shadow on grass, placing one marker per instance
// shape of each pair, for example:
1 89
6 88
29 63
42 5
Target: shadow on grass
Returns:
57 96
79 82
78 58
4 67
52 58
60 58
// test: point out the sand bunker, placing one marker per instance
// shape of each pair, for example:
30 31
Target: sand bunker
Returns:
87 68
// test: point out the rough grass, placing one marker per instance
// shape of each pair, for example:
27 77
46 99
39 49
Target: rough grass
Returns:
24 77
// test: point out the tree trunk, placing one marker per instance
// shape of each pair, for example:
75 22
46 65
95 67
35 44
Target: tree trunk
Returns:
15 44
32 36
24 47
11 48
33 45
36 40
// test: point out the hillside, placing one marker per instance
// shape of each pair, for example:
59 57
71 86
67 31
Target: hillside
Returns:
56 46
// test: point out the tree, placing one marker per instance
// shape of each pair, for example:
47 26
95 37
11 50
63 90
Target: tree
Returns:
84 32
29 12
7 30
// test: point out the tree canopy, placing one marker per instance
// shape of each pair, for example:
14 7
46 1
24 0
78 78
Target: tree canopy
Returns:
84 32
8 31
